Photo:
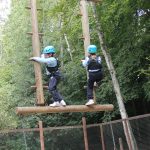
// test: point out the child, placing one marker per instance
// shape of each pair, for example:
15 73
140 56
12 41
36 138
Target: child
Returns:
52 68
94 68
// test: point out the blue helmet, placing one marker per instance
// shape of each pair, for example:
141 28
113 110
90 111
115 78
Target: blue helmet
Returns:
49 49
92 49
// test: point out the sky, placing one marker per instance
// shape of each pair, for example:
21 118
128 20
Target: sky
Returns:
4 10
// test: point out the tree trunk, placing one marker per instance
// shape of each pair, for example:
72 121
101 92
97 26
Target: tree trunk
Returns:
68 45
61 44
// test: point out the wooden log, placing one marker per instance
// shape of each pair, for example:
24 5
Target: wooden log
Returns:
69 108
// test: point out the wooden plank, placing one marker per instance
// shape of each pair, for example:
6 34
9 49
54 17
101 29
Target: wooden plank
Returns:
69 108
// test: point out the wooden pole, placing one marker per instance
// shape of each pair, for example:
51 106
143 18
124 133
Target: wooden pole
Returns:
120 143
85 25
41 135
127 135
36 52
113 138
85 133
86 32
71 108
102 137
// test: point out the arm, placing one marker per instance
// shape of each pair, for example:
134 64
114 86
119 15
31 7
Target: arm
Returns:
99 59
41 60
85 62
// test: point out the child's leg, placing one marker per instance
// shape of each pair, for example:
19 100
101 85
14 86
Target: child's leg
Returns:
53 89
91 81
90 89
90 96
90 92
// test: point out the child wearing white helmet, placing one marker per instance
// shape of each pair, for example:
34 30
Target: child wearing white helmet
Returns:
94 68
52 68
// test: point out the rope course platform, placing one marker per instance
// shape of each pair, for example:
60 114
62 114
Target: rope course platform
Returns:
61 109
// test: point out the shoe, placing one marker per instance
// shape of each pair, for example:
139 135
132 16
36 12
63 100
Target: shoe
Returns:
63 103
90 102
55 104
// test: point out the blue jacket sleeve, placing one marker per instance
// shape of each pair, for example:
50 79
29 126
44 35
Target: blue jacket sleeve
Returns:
51 62
85 62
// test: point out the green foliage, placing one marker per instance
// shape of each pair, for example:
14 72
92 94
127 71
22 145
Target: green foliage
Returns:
127 39
126 35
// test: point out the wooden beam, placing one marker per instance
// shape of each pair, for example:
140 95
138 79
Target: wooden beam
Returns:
66 109
36 53
44 86
28 7
30 33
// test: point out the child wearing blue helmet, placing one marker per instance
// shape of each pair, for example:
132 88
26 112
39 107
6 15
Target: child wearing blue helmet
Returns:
52 69
94 68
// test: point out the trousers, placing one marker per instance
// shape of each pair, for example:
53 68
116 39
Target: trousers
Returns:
53 82
93 77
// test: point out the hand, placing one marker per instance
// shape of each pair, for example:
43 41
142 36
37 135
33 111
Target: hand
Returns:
82 60
31 59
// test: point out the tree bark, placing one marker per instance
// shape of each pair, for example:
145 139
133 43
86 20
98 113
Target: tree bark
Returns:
61 44
68 45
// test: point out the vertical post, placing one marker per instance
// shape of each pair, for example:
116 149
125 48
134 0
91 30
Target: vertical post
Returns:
86 32
85 133
85 25
41 135
127 134
120 143
113 138
102 137
36 53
